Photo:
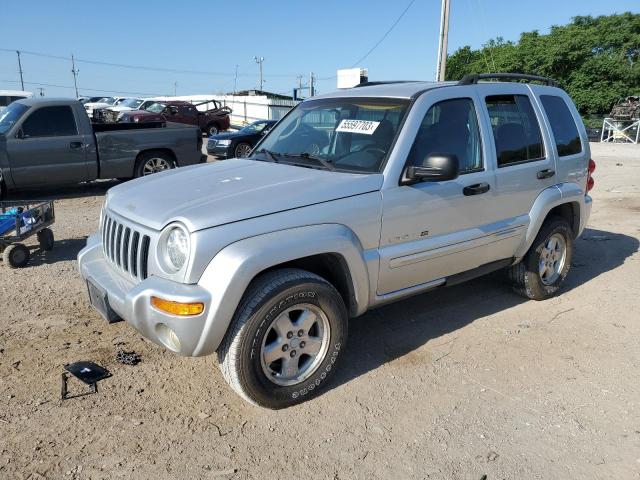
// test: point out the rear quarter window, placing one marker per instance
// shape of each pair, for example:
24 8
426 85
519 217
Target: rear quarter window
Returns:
563 126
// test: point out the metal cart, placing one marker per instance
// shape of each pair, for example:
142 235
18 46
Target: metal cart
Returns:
20 220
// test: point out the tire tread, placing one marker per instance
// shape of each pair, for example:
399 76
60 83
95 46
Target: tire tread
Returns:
257 293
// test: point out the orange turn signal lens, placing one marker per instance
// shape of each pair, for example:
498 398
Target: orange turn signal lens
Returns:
177 308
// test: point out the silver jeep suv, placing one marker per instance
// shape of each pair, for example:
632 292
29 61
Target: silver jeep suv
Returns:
354 199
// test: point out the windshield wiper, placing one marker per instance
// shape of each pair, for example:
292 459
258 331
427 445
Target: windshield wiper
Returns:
271 156
308 156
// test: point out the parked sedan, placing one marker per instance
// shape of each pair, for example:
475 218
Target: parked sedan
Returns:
238 144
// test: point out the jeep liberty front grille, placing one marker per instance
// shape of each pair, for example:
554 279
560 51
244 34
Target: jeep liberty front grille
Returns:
126 248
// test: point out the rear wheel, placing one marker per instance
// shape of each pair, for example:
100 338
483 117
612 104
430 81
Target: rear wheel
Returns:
153 162
212 129
543 269
45 239
285 338
16 255
242 150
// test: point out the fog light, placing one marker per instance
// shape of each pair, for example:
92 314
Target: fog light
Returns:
168 337
177 308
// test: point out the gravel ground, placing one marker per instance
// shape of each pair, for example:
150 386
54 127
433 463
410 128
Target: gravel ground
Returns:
458 383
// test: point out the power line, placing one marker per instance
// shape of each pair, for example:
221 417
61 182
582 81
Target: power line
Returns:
71 87
385 35
145 67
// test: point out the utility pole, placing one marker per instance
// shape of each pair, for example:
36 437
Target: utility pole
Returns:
41 91
442 43
260 61
312 89
175 88
20 69
75 71
235 81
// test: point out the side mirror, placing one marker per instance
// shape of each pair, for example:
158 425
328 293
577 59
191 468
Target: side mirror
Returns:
20 134
436 167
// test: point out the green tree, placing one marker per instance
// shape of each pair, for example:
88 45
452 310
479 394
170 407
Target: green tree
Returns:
597 60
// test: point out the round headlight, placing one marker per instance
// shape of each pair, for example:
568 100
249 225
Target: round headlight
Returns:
176 248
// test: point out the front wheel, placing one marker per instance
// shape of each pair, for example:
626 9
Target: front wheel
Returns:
242 150
543 269
285 338
16 255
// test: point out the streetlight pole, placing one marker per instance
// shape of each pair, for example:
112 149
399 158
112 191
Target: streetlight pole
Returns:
260 61
442 44
20 69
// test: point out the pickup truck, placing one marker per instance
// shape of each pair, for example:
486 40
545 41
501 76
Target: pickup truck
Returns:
420 185
210 122
52 142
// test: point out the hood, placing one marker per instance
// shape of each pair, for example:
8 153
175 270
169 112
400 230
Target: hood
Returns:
96 105
119 108
226 135
144 113
212 194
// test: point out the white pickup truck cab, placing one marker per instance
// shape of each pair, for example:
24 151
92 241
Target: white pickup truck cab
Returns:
354 199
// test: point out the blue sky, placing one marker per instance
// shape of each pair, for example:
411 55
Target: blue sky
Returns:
211 37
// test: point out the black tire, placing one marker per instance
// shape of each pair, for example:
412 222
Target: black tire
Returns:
146 161
212 129
525 276
266 299
16 255
242 150
45 239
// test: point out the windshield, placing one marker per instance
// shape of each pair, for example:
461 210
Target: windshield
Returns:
131 102
255 127
347 134
10 115
156 107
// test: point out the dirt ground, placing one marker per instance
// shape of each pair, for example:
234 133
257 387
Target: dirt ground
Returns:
468 382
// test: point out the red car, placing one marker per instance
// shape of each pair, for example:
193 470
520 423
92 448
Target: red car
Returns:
210 122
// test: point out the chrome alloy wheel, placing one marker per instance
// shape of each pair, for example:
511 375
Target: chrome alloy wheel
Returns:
295 344
552 259
243 150
155 165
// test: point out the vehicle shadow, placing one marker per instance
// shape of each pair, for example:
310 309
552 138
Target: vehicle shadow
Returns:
394 331
63 250
81 190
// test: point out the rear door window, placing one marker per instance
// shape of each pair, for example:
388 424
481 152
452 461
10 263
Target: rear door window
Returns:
50 122
563 125
516 131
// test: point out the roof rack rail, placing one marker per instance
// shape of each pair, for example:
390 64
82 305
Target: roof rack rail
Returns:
383 82
473 79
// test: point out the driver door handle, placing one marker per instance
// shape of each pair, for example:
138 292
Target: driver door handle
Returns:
75 145
476 189
547 173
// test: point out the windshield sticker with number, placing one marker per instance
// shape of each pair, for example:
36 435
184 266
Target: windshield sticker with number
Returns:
366 127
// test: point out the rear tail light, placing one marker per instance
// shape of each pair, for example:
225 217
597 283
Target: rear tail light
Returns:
590 169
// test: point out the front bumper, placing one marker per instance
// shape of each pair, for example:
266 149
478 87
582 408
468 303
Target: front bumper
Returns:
132 302
218 151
